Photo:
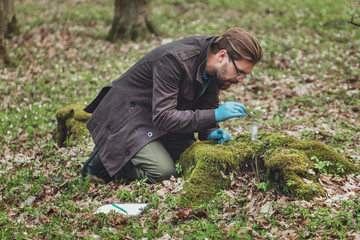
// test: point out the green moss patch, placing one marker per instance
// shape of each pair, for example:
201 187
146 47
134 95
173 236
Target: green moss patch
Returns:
71 126
326 159
292 164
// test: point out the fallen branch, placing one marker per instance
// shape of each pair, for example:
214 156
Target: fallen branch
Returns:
352 22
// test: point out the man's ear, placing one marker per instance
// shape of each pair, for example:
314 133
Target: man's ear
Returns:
221 55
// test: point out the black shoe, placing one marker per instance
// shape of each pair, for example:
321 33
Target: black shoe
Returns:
95 167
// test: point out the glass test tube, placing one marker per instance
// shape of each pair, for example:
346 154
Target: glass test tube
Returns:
254 131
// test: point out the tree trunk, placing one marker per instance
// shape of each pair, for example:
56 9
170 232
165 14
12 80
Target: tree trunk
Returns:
132 20
4 57
12 26
8 26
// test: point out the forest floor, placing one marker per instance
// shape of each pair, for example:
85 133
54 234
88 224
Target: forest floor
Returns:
306 86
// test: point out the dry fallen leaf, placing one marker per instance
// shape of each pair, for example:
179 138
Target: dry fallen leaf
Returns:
184 212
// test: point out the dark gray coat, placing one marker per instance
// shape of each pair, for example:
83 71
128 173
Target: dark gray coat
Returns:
158 95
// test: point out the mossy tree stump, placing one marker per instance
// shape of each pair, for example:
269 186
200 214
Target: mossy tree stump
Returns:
71 126
291 163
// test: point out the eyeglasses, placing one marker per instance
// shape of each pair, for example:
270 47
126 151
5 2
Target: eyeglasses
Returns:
240 75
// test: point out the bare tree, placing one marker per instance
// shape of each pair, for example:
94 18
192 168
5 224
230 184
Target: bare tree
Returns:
8 26
132 20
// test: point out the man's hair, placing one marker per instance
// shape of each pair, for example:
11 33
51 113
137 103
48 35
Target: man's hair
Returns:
239 44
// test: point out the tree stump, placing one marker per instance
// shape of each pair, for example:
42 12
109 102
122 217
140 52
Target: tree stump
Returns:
291 163
71 124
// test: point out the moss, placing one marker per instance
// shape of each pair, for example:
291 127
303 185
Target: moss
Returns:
318 152
71 126
301 189
202 164
205 181
190 155
291 167
289 161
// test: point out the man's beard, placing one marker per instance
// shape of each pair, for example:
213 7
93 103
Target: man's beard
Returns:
221 81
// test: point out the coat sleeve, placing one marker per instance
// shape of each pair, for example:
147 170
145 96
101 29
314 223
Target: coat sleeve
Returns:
167 75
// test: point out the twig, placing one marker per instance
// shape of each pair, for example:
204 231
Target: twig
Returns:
297 67
353 16
352 22
257 170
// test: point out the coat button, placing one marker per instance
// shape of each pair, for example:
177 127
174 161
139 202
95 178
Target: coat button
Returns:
107 127
150 134
132 104
127 153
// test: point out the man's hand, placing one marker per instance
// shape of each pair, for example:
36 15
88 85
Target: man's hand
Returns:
229 110
221 135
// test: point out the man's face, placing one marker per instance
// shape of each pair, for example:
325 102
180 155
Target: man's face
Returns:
232 72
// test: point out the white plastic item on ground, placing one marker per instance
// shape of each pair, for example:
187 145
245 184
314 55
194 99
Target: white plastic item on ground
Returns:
131 209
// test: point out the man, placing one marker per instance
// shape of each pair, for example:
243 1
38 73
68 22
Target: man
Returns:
142 121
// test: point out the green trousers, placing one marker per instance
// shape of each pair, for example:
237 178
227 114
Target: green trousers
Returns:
155 161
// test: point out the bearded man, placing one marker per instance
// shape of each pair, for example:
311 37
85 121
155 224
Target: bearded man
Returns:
142 121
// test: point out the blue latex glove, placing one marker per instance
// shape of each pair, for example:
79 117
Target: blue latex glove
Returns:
221 135
229 110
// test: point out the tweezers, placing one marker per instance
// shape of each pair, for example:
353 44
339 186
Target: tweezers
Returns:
248 113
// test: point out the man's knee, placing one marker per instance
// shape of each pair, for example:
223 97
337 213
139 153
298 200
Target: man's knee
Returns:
154 162
163 172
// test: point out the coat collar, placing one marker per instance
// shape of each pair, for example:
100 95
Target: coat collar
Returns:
203 59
